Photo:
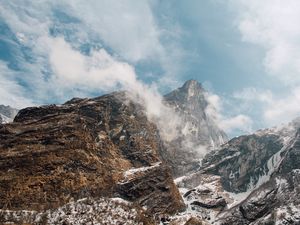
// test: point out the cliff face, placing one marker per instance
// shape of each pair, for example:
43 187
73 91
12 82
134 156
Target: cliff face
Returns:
252 179
190 101
101 147
199 134
277 200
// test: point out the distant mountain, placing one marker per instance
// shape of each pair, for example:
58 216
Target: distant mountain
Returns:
190 101
198 132
7 114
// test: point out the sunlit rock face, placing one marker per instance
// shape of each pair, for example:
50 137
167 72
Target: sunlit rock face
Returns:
86 148
198 133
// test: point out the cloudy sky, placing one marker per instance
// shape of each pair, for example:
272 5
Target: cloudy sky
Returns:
246 53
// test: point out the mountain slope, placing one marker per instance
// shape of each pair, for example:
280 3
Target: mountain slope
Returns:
85 148
277 200
255 177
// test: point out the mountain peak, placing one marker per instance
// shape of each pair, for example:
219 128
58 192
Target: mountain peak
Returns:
192 87
192 83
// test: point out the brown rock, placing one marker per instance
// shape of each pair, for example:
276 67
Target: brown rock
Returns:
53 154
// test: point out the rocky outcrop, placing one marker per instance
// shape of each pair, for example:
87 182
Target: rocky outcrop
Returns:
101 147
243 161
276 201
198 133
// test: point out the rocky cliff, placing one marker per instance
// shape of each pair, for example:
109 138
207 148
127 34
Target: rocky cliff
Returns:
198 133
252 179
190 102
100 161
276 201
86 148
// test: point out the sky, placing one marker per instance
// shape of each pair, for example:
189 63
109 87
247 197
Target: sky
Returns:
245 53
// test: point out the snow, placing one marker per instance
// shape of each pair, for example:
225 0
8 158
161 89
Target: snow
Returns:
122 138
84 211
286 214
5 119
140 169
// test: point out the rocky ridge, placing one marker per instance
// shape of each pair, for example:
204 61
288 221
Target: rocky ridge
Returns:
71 163
252 179
85 148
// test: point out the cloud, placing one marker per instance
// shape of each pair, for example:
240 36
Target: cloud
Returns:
283 110
253 94
11 93
128 26
125 30
100 71
240 122
271 25
230 124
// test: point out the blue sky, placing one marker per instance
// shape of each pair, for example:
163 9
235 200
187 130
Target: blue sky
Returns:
246 53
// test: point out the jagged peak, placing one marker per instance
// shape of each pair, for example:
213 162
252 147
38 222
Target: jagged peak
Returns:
192 86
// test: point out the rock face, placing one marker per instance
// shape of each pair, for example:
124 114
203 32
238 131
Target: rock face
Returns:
101 147
252 179
7 114
277 200
199 133
248 161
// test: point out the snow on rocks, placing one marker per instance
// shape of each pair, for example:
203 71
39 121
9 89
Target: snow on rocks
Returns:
85 211
131 173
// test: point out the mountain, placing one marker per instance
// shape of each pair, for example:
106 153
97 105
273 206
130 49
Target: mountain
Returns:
7 114
101 161
198 131
190 101
275 196
252 179
60 161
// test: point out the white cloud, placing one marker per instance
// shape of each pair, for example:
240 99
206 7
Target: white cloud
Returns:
11 93
240 122
253 94
99 71
230 124
127 26
272 24
285 109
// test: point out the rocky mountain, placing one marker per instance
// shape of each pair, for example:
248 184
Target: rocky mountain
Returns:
7 114
252 179
53 158
198 132
101 161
